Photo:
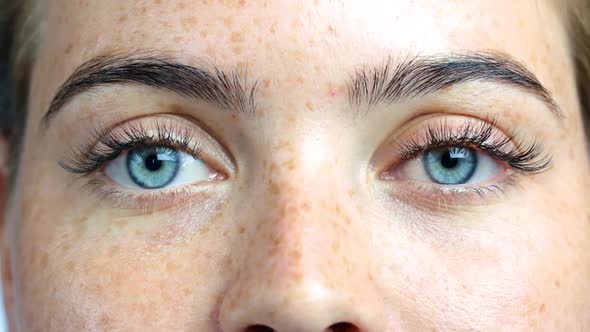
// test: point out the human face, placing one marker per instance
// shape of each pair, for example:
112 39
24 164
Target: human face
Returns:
257 179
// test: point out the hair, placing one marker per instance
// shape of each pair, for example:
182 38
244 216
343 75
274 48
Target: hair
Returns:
579 29
20 24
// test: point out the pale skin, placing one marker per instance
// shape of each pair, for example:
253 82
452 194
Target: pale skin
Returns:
301 232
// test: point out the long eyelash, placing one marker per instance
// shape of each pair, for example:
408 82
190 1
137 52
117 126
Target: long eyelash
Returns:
483 135
109 144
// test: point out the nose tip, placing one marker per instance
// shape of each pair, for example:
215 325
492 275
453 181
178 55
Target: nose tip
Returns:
308 306
338 327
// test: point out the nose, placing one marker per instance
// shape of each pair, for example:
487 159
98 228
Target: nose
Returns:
304 266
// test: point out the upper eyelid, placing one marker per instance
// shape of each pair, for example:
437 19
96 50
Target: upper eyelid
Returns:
527 155
107 144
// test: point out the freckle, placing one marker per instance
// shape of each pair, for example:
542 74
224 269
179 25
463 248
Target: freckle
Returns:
242 2
237 50
114 249
69 48
347 220
203 33
228 21
309 106
181 6
204 230
300 80
105 321
272 29
542 307
70 266
186 291
266 83
241 230
189 22
296 254
171 267
43 261
335 247
122 18
557 283
236 37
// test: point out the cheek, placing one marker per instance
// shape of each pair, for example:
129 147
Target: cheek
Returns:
73 275
520 268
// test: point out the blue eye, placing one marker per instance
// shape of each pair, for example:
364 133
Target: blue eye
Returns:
155 167
450 166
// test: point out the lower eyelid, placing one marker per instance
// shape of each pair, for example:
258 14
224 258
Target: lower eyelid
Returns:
434 198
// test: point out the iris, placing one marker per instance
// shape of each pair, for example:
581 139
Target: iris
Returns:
451 165
153 167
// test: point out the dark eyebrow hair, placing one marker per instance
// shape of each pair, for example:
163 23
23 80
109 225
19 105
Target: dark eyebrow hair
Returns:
230 91
420 75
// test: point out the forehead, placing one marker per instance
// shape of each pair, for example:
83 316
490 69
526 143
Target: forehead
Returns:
287 39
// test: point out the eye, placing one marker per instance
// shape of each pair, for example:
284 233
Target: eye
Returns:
155 167
451 166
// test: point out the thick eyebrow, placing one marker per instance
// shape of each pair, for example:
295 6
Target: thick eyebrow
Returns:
230 91
420 75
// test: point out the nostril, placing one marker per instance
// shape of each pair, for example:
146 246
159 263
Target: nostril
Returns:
259 328
343 327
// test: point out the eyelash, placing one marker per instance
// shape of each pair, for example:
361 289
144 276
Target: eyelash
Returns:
482 135
111 144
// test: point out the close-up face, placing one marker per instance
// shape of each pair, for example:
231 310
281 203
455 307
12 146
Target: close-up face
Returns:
357 166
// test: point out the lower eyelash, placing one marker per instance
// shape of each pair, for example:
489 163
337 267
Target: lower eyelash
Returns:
110 144
145 201
482 135
432 197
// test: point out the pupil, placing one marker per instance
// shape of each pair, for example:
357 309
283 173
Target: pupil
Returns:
152 162
449 162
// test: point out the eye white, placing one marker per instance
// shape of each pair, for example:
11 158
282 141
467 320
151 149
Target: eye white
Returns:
190 170
487 169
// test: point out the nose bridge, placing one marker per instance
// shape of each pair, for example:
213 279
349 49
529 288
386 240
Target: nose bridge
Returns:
304 262
309 213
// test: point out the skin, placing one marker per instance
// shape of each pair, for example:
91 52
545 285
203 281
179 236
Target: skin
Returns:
303 234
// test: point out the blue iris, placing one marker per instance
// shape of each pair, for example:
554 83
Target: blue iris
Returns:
153 167
450 166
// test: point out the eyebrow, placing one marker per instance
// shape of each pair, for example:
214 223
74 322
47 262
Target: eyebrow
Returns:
229 90
420 75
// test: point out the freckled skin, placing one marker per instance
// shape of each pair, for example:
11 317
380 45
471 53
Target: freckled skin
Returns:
302 236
